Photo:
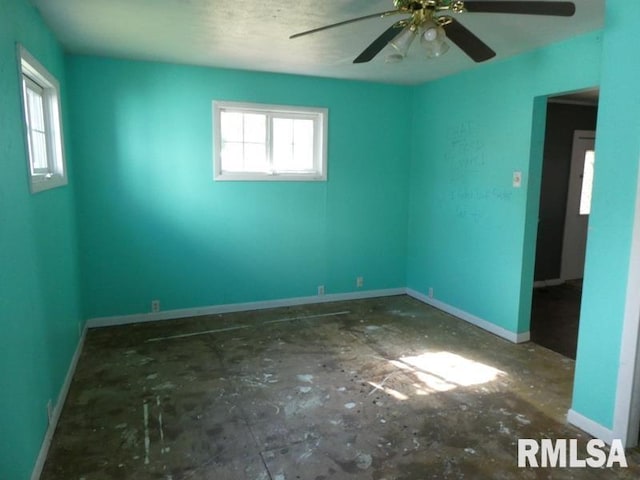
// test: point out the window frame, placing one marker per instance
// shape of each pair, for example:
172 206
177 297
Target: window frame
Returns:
320 118
31 71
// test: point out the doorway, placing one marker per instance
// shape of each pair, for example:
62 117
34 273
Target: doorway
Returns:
567 174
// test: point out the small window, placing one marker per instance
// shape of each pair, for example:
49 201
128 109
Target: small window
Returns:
269 142
587 182
43 128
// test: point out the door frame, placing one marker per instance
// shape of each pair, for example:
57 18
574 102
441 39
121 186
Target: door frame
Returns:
626 418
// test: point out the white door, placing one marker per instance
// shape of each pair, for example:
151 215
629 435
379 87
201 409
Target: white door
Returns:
576 221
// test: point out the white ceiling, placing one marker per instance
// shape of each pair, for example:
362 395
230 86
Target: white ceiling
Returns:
253 34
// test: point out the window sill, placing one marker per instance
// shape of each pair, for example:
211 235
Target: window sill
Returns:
266 177
40 183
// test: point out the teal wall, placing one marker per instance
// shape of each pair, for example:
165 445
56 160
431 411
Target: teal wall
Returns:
153 224
471 234
612 216
419 194
39 288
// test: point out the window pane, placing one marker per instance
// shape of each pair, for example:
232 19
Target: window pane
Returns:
232 157
36 127
283 130
303 144
231 126
244 137
283 159
255 128
39 152
303 132
255 157
36 109
587 183
293 144
303 157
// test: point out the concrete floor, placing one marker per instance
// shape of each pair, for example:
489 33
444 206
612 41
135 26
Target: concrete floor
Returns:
375 389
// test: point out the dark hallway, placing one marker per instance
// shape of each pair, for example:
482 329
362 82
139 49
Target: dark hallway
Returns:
555 315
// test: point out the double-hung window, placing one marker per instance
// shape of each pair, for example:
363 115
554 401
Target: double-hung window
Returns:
43 128
269 142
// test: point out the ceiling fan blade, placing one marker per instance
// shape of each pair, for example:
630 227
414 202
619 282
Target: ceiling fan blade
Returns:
379 43
560 9
346 22
468 42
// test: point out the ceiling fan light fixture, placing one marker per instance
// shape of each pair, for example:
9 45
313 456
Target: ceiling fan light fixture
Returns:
403 41
436 49
432 39
428 17
393 58
430 33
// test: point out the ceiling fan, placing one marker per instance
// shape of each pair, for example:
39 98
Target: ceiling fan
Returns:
433 22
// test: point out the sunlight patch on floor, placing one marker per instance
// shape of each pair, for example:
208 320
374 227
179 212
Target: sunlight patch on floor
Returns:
444 371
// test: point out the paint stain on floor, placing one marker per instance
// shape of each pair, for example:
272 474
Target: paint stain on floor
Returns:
383 389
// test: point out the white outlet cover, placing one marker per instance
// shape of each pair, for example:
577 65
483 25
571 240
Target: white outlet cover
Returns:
517 179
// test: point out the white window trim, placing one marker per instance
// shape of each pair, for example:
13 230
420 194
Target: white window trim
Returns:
320 136
37 73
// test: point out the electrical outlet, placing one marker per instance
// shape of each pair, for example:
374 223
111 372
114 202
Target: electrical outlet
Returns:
359 282
430 294
517 179
320 290
49 411
155 306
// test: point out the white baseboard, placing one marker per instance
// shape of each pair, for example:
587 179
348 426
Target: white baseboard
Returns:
57 410
573 417
289 302
468 317
239 307
592 428
553 282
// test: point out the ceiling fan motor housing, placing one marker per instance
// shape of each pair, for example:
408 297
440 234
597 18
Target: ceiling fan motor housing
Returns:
456 6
